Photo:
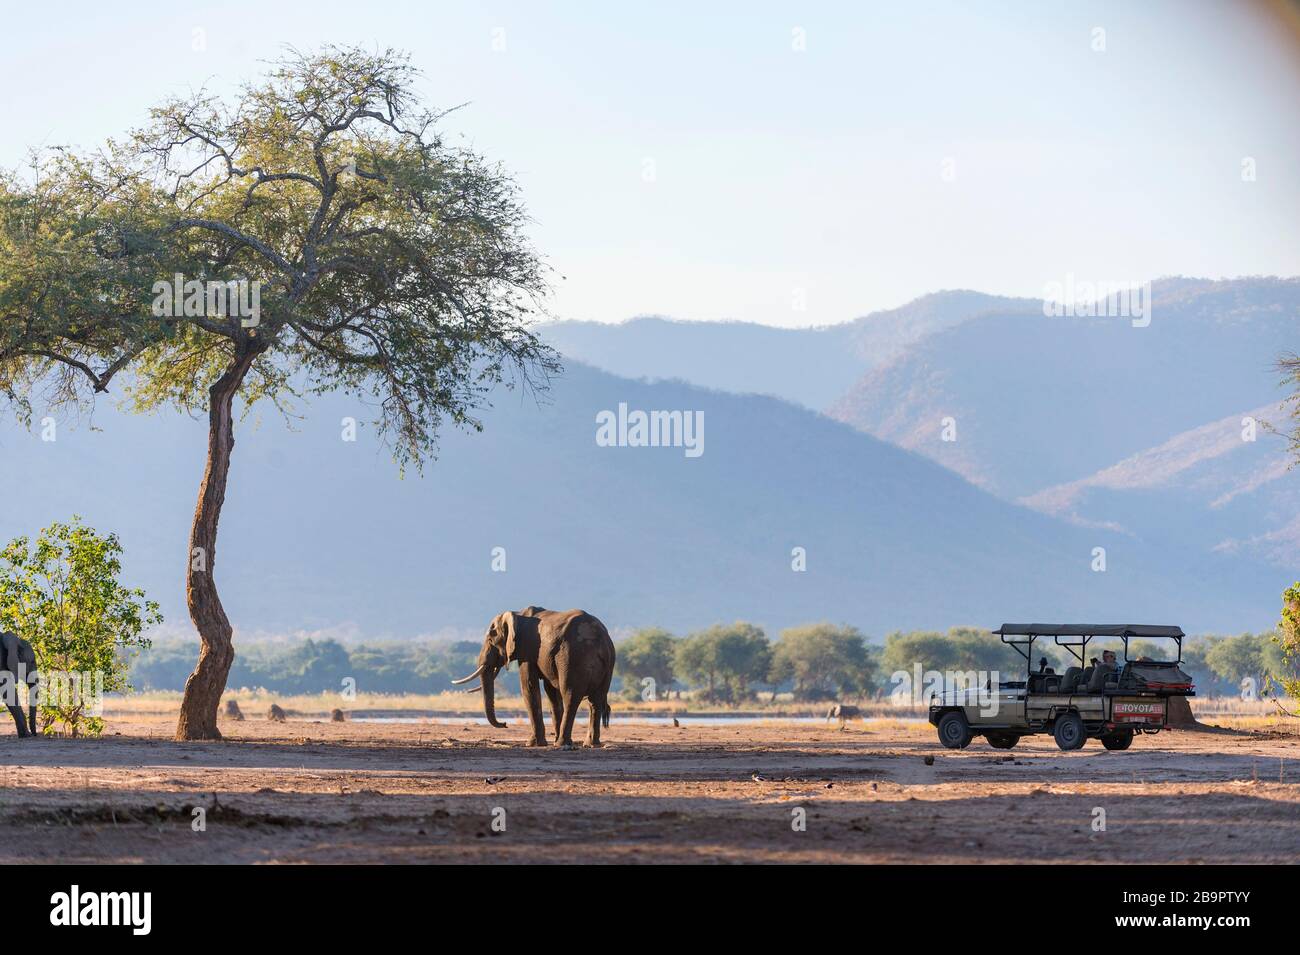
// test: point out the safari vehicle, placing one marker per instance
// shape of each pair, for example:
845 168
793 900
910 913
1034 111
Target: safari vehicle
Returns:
1109 703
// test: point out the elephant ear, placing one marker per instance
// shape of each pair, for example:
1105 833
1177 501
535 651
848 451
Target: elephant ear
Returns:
511 622
8 651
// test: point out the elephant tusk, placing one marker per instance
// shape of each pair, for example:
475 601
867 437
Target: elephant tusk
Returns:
466 679
473 689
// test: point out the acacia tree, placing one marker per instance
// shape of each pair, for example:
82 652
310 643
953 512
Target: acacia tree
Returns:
389 264
726 658
823 660
648 653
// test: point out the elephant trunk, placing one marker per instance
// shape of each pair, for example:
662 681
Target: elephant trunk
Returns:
489 700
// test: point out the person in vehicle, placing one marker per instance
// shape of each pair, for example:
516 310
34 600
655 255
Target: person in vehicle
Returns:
1101 672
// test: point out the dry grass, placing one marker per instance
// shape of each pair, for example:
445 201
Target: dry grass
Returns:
1235 706
1277 723
257 702
1228 712
1268 716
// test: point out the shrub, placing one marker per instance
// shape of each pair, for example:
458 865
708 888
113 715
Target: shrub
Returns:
62 594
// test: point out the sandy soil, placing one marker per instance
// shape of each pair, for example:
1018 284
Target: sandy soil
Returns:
354 792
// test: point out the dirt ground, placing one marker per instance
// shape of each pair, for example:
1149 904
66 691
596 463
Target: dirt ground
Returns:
316 792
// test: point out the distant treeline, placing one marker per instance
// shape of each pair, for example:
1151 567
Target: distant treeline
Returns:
317 666
725 663
822 661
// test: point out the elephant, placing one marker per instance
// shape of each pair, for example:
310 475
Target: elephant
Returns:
569 654
18 665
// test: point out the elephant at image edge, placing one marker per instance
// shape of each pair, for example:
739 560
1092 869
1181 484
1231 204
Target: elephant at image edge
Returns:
18 665
568 653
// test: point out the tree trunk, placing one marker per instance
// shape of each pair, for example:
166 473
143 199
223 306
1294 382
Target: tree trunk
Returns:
205 685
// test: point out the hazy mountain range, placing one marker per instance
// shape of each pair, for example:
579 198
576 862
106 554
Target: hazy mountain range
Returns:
1210 488
1079 435
809 366
1146 423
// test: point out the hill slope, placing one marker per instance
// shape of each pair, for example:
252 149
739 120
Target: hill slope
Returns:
322 534
809 366
1044 401
1221 486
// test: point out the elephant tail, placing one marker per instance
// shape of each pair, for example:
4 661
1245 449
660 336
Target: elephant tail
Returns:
604 716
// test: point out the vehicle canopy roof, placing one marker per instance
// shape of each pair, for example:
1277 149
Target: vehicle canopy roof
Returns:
1087 630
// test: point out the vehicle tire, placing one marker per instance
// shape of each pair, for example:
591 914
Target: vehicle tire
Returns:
1069 732
1002 740
1120 739
954 731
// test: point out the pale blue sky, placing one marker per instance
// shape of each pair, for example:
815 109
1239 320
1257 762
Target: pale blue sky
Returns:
779 173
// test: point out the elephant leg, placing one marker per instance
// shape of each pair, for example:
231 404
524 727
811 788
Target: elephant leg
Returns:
571 703
533 700
599 706
593 730
33 695
557 708
19 721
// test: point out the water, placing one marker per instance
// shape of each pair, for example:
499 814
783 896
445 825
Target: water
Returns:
642 719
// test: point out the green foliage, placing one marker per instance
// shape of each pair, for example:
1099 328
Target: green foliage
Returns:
959 650
823 661
391 264
648 653
1248 656
726 659
62 594
1195 652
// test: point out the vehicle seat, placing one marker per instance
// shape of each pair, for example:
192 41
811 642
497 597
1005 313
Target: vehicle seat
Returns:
1097 680
1070 681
